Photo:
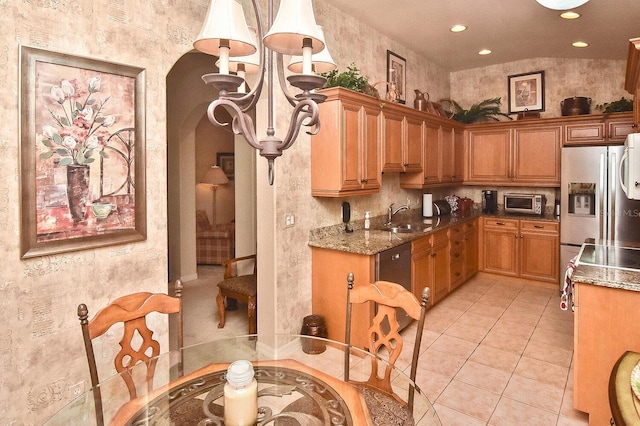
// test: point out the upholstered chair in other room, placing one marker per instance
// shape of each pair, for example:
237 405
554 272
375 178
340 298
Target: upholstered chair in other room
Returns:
240 287
214 243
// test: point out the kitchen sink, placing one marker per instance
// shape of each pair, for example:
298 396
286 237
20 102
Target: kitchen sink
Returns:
399 229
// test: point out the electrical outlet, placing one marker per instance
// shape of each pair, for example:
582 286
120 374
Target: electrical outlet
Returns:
289 220
77 389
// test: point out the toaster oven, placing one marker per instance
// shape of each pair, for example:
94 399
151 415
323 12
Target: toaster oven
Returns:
525 203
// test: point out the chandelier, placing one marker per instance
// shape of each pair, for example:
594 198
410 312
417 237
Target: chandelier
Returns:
242 50
562 4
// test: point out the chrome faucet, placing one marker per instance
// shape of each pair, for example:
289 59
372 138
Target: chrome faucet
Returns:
392 212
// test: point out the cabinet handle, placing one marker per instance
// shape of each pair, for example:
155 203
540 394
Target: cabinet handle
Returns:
538 226
456 255
500 223
433 254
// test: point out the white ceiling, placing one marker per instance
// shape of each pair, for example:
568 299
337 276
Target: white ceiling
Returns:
511 29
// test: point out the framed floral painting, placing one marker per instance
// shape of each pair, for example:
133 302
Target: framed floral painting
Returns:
82 167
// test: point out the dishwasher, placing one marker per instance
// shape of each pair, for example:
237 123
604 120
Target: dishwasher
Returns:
394 265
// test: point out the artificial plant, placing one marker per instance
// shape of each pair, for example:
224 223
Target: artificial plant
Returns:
487 110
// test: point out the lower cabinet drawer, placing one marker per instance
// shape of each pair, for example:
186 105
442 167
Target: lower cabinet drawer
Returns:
456 273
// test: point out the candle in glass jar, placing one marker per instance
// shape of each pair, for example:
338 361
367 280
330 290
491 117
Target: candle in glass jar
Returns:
240 395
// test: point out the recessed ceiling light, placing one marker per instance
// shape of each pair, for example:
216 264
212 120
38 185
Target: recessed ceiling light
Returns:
484 52
580 44
570 15
457 28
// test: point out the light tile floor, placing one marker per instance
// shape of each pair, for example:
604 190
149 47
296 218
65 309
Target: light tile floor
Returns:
497 351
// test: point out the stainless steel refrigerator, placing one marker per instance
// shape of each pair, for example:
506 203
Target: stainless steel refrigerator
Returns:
592 203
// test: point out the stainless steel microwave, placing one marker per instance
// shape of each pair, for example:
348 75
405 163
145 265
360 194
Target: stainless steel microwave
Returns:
525 203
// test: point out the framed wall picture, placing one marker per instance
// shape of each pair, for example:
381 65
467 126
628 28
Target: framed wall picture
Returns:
526 92
227 163
397 76
82 164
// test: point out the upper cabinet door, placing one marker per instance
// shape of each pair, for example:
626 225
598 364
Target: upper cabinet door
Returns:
489 156
345 153
370 162
413 144
392 131
537 155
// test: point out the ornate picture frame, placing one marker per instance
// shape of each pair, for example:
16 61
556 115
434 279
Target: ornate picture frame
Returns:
526 92
397 76
226 161
82 153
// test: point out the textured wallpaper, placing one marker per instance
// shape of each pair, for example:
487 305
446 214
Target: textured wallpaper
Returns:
41 349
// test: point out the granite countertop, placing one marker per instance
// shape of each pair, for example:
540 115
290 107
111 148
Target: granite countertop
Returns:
605 276
375 240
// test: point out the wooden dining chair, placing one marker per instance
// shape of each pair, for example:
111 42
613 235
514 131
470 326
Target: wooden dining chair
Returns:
385 406
240 287
138 344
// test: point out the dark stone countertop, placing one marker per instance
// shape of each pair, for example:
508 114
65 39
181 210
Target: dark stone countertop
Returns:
375 240
608 277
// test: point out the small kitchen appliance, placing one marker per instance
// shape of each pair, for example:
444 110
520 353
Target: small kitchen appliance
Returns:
525 203
489 201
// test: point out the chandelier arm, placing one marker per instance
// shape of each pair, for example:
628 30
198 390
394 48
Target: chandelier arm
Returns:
254 94
305 109
283 83
242 123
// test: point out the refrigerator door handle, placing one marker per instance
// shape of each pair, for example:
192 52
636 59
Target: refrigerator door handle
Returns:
601 210
612 196
623 175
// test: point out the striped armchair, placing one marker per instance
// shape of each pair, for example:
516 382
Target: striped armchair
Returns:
214 244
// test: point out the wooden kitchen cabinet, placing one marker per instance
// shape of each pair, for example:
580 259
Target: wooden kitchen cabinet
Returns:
540 250
329 270
604 325
514 155
632 79
402 140
599 130
501 246
458 155
457 256
440 265
470 249
421 268
522 248
430 266
345 153
442 156
489 155
536 155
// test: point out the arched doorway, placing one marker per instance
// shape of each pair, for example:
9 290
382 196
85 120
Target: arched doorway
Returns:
192 145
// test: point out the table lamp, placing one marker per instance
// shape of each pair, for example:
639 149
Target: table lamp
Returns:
214 177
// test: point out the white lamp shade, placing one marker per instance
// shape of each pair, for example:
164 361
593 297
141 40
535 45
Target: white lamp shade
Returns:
294 22
215 176
561 4
251 62
322 62
225 21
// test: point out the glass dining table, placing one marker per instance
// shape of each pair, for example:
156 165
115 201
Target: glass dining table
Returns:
300 382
